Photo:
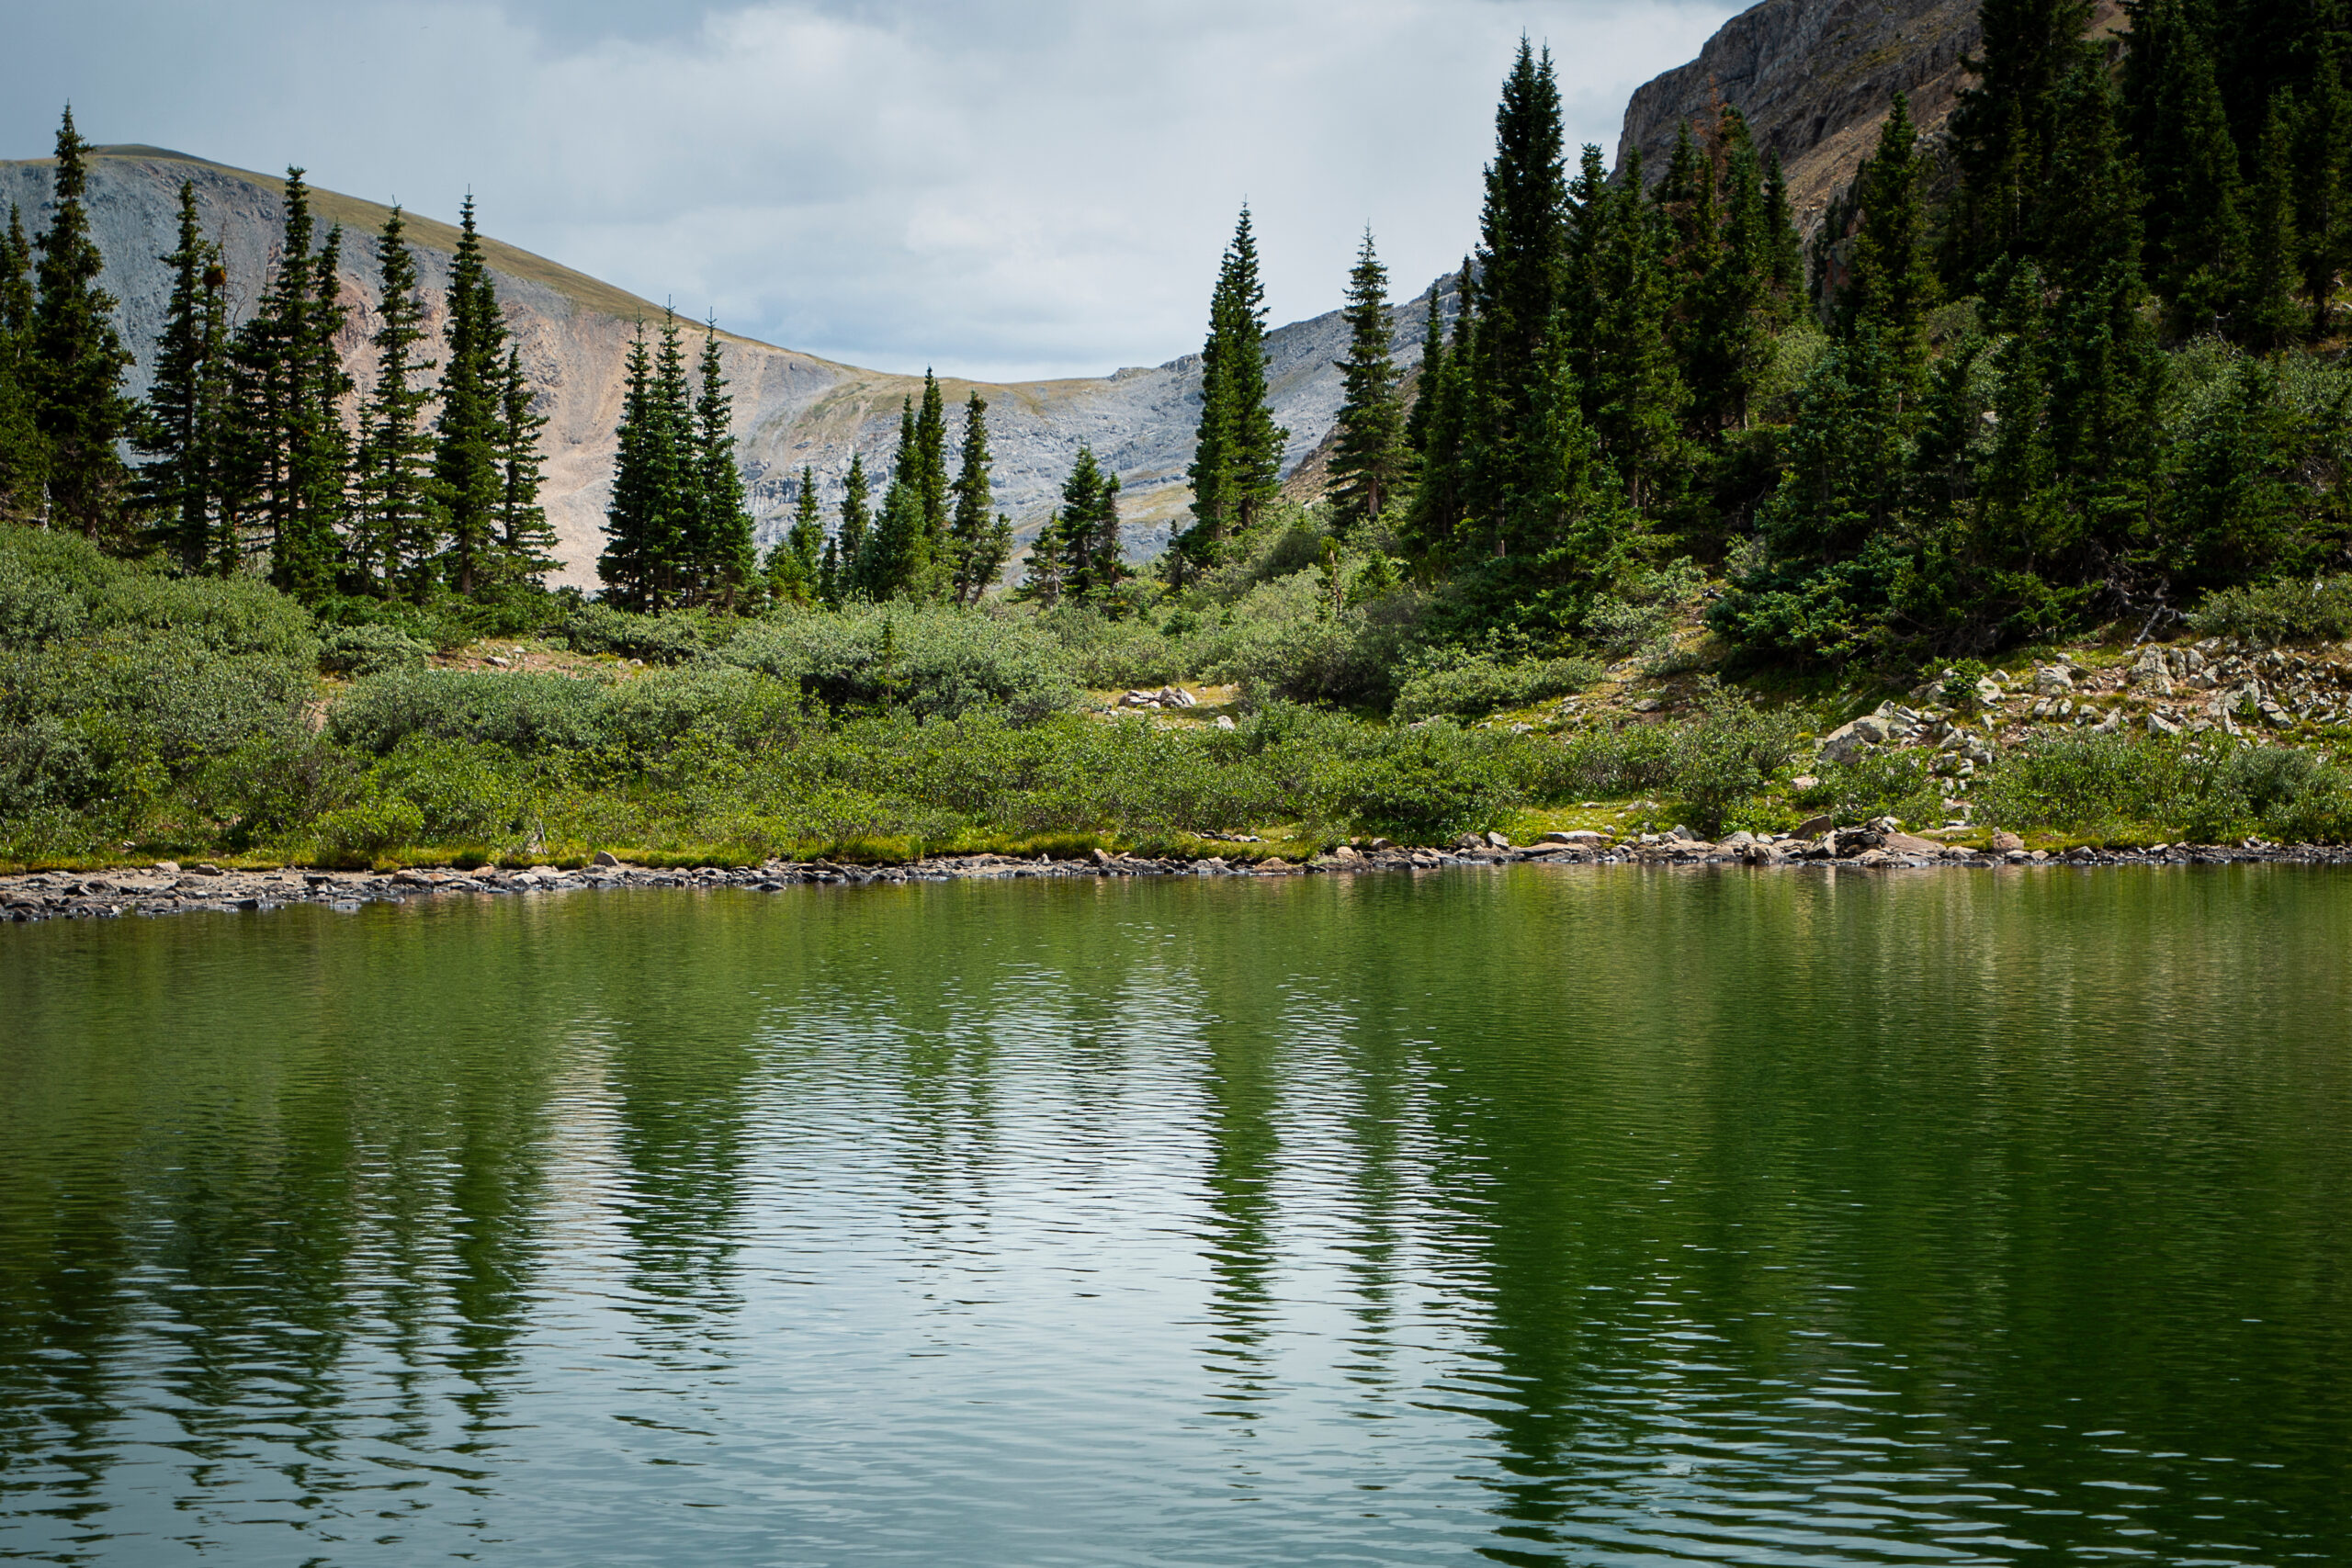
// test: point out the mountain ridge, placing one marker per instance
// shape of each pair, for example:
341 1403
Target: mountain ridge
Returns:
792 408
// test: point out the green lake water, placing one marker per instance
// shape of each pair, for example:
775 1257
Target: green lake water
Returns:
1576 1215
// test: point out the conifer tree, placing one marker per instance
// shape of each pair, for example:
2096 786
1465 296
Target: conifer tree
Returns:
1087 530
179 428
24 456
830 588
392 530
2197 225
464 457
2322 165
893 562
1737 306
1426 377
2268 316
1237 463
855 528
1634 392
1368 461
291 454
1520 237
720 546
76 363
638 542
1048 567
525 539
1436 513
980 539
2096 227
931 468
2006 127
1891 285
795 567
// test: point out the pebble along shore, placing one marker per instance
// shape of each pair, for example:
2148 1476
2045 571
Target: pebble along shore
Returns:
166 888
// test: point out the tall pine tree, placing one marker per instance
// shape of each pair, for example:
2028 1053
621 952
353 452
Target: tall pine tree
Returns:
1368 462
525 539
1892 285
76 363
980 539
464 454
1523 237
1237 461
179 430
24 456
718 547
392 530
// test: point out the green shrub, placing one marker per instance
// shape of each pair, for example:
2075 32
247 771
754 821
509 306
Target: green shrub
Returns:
1467 684
524 713
369 650
657 639
373 828
2290 610
931 660
1883 781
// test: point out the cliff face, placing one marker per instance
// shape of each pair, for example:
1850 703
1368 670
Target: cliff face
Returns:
791 408
1814 79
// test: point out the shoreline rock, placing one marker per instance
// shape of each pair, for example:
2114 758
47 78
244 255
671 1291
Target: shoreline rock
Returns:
164 889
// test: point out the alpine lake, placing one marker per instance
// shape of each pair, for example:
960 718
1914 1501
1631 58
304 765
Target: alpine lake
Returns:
1540 1215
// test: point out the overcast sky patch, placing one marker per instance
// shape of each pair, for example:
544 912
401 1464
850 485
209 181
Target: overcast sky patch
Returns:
1003 191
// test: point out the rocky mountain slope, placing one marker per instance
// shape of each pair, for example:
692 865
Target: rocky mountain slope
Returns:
1814 79
791 408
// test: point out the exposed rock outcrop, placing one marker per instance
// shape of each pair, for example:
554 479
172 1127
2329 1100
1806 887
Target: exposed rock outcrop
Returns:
1814 79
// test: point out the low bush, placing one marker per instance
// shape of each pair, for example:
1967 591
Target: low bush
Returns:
2290 610
370 650
657 639
1467 684
930 660
524 713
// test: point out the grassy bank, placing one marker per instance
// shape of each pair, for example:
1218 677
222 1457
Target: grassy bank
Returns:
143 717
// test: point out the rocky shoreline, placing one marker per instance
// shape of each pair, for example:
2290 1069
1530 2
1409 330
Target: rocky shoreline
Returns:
166 890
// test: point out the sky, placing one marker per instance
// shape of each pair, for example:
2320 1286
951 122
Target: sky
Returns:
1002 189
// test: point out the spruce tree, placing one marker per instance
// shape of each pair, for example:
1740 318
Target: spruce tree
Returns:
1368 461
1634 392
464 457
795 567
830 588
854 529
1435 515
1521 236
980 539
1237 462
636 543
24 456
76 363
2006 127
2269 315
720 546
1892 285
393 529
289 453
1425 379
931 468
2322 166
1087 531
1737 305
2096 227
893 563
526 541
178 429
2196 220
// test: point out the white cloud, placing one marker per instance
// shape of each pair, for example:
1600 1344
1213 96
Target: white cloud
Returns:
998 189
